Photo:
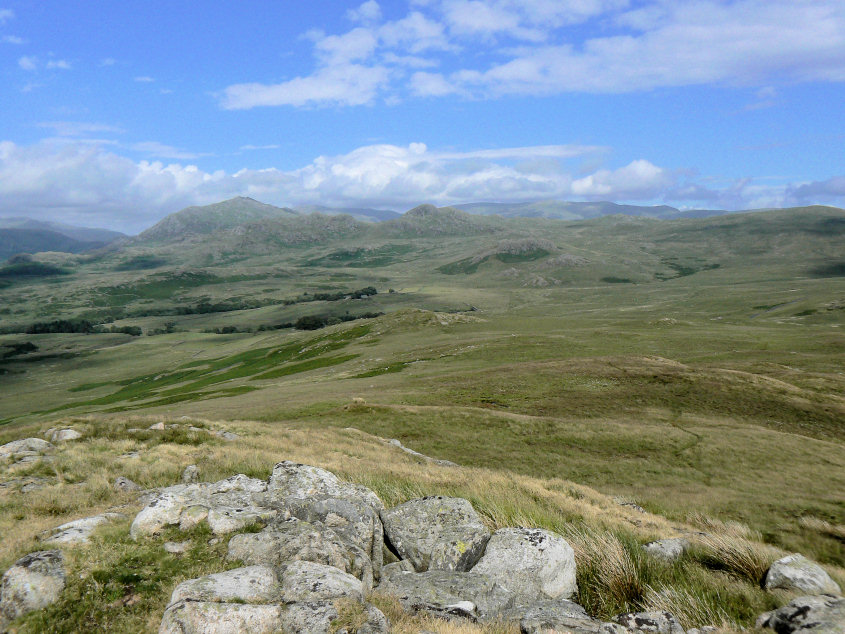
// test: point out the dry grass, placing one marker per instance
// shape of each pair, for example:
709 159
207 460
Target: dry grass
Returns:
837 531
692 610
736 555
402 622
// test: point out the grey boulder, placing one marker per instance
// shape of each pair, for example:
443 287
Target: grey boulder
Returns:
530 561
208 617
449 592
252 584
667 549
79 531
291 540
309 581
560 616
33 582
319 617
816 614
291 479
436 533
797 573
25 446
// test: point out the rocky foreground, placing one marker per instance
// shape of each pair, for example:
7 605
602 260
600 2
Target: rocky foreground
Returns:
315 548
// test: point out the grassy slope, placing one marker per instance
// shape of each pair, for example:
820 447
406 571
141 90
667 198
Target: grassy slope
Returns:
694 388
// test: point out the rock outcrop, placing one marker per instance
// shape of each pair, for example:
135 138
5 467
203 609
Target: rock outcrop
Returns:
817 614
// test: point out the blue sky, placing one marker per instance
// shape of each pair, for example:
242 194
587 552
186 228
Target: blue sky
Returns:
118 113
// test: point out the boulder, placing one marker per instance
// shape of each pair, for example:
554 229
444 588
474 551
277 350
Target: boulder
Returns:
815 614
438 591
530 561
164 510
190 474
24 447
253 584
79 531
295 540
65 435
192 516
667 549
156 427
294 480
33 582
309 581
203 617
651 622
125 485
318 617
224 520
551 615
353 519
226 435
799 574
436 533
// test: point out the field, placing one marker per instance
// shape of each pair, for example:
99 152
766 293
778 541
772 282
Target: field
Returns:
694 367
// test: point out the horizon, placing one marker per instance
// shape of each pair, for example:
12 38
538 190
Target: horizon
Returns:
384 104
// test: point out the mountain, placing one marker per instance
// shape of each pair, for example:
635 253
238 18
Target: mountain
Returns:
13 241
82 234
564 210
228 214
359 213
431 221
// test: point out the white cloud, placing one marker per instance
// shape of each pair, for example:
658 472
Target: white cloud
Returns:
346 85
61 64
108 61
79 181
13 39
260 147
78 128
356 45
28 63
160 150
144 79
6 15
367 12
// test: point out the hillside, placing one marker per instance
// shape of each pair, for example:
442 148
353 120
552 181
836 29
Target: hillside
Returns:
83 234
616 379
227 214
14 241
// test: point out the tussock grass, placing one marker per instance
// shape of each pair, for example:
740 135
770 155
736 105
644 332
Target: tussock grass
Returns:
824 527
735 555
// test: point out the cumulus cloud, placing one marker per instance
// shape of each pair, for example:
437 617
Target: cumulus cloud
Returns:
91 184
6 15
635 47
61 64
144 79
13 39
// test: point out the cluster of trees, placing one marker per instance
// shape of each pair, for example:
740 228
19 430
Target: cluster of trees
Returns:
315 322
82 326
15 349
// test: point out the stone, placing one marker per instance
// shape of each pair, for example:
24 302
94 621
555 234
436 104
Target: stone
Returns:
125 485
532 561
651 622
252 584
79 531
295 540
294 480
164 510
817 614
203 617
309 581
667 549
33 582
434 591
227 520
65 435
317 617
353 518
190 474
156 427
225 435
799 574
177 548
396 567
551 615
436 533
25 446
192 516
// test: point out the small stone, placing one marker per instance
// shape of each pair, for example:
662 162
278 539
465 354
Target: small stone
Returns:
125 485
190 474
650 622
177 548
667 549
65 435
156 427
79 531
226 435
130 454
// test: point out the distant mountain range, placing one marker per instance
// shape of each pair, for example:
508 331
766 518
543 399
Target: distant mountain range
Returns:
563 210
25 235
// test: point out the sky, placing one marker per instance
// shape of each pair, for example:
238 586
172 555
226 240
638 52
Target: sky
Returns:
115 114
